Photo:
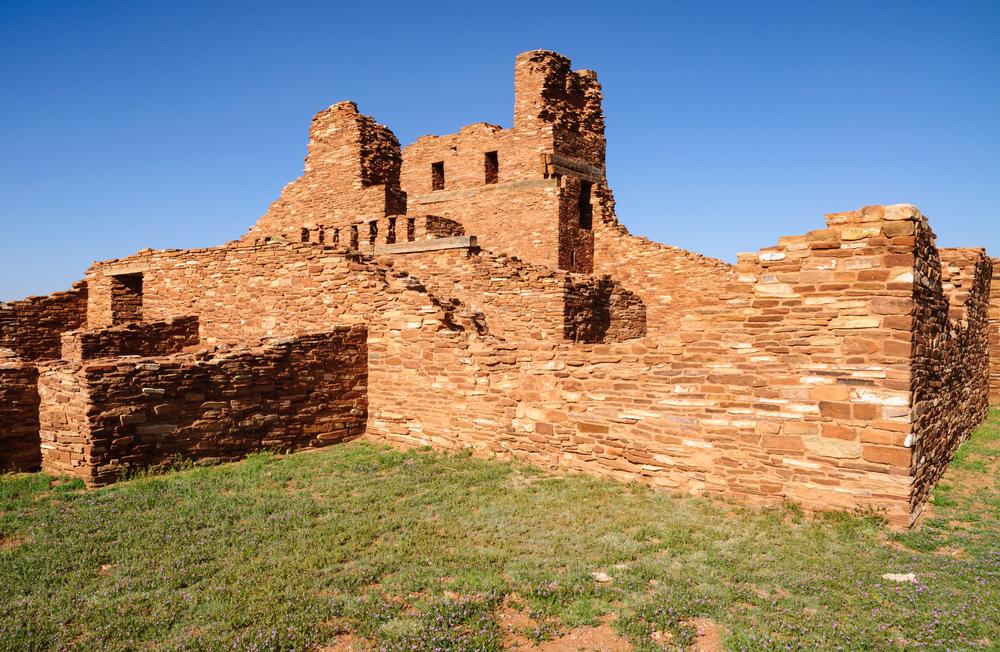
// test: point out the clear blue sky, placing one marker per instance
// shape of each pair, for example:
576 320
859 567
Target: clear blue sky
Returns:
174 124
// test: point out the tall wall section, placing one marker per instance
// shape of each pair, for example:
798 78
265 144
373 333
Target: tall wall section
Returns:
243 292
528 190
351 177
671 282
950 355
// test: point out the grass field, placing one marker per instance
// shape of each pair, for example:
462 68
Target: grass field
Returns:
420 551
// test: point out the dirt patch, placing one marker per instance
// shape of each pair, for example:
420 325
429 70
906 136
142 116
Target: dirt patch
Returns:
587 639
9 543
708 635
346 643
515 624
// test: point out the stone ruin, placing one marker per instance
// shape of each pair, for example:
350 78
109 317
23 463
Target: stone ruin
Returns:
477 291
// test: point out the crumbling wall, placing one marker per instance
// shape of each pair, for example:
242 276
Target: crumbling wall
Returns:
519 300
351 176
672 282
599 309
19 443
102 419
32 327
157 338
521 189
995 333
950 355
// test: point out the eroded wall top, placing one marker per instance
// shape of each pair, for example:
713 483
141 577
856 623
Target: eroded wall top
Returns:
351 176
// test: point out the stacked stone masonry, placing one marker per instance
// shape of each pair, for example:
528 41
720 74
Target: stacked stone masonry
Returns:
32 328
995 333
135 338
145 412
486 272
19 443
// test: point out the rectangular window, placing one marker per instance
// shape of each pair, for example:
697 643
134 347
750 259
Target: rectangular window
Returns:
390 236
305 234
372 232
437 175
354 237
336 237
126 298
586 210
491 165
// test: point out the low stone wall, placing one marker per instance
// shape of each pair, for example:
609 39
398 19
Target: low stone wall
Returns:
32 327
102 419
951 355
19 444
137 338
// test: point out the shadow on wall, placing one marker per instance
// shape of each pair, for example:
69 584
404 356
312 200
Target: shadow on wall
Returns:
602 310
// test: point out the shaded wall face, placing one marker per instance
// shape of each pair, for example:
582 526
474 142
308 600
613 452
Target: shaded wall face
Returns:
101 420
995 333
950 357
32 327
19 442
146 339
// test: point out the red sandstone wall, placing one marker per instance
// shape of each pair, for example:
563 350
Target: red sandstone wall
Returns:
147 339
798 387
995 333
532 207
32 327
672 282
950 376
241 293
104 418
519 300
19 444
351 176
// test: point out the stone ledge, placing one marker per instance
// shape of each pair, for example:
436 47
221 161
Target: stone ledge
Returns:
466 193
436 244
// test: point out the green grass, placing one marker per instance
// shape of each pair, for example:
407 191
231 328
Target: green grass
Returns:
419 550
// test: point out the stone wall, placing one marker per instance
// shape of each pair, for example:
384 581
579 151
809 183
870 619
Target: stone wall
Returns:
102 419
797 386
532 174
519 300
672 282
995 333
32 327
244 292
950 357
19 444
351 176
146 339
